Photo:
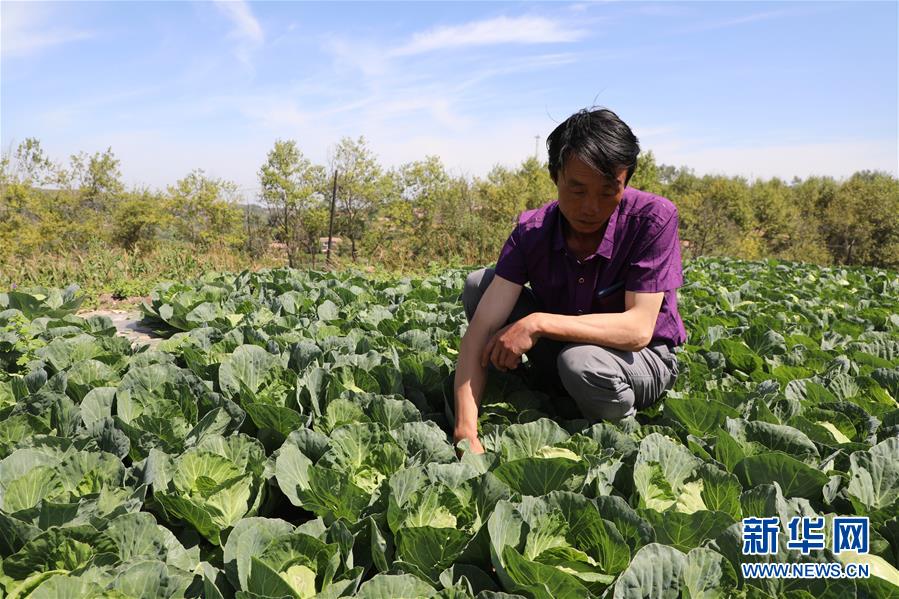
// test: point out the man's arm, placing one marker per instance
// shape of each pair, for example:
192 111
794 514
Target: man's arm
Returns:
630 330
471 375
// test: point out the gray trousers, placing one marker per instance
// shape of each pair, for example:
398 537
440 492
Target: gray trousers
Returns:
605 383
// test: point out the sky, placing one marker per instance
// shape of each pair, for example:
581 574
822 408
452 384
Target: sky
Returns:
757 89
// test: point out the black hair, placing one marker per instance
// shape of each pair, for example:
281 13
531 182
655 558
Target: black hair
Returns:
599 138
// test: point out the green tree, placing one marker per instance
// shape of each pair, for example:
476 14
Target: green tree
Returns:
138 219
716 218
98 179
314 224
291 185
424 195
861 220
362 187
647 176
775 213
19 207
204 210
32 166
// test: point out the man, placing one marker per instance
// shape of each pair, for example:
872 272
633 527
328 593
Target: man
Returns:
599 321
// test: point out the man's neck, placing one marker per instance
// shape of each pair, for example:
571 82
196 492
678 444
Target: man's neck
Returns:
582 240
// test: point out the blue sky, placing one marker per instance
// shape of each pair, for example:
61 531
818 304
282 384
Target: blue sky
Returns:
759 89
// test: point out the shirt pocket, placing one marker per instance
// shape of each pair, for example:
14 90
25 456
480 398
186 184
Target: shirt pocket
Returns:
607 300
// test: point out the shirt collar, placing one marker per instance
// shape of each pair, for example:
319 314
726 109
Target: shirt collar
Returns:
606 246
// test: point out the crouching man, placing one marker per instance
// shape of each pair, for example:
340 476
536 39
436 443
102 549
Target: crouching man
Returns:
599 321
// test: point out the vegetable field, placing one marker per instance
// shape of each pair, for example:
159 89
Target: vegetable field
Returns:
290 438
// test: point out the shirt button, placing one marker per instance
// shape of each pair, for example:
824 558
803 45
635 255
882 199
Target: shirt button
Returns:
580 311
581 280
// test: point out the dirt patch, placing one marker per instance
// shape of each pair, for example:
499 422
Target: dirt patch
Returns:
127 323
109 301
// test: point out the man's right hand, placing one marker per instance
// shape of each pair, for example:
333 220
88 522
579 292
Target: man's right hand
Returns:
473 441
492 311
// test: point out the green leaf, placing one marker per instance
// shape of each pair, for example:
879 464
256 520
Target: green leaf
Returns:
687 531
654 572
249 538
708 575
539 580
327 311
795 478
265 581
431 549
395 586
738 355
720 491
539 476
700 416
525 440
727 449
874 482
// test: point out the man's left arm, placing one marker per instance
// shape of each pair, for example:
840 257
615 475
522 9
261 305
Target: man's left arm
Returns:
655 269
630 330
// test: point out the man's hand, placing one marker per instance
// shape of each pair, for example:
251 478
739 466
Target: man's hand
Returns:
473 441
508 344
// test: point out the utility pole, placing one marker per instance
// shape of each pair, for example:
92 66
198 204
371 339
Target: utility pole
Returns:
246 210
331 222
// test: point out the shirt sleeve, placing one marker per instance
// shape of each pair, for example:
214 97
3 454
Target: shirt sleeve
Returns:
656 263
511 264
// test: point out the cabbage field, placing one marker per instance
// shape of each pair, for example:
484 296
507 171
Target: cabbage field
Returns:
290 437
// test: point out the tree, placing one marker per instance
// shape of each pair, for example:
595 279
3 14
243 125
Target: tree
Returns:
716 218
861 220
20 208
362 187
291 185
647 176
204 209
775 213
538 185
98 178
314 224
138 218
32 166
424 186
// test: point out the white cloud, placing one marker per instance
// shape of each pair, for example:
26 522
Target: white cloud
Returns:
499 30
24 29
725 23
245 24
247 30
360 55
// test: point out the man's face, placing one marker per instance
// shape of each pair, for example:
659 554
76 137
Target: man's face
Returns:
586 198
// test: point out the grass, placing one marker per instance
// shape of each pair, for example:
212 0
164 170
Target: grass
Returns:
114 278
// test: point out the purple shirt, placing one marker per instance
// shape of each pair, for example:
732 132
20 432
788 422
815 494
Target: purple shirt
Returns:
640 251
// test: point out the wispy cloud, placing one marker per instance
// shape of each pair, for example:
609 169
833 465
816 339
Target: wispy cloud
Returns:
247 30
25 30
499 30
736 21
663 10
245 24
413 77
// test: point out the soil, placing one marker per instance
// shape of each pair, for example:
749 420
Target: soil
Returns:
127 323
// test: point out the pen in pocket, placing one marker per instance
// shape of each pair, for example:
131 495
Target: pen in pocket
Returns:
609 290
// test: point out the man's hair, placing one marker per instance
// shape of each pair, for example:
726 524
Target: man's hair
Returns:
599 138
